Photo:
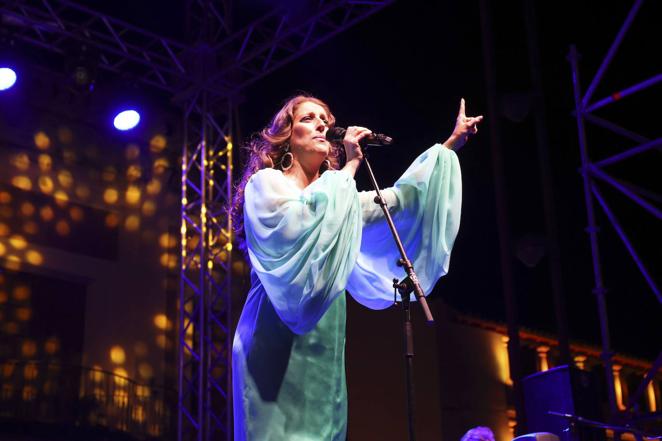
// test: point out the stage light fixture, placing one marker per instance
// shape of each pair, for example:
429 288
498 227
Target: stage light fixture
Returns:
126 120
7 78
81 65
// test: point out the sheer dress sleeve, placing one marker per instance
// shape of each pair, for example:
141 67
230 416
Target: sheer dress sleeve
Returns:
425 203
302 244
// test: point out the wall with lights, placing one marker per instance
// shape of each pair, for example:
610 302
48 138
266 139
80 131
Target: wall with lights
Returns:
84 206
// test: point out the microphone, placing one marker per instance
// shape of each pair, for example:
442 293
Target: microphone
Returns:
336 134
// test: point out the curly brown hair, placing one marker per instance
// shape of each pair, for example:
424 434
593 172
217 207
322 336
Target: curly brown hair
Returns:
266 150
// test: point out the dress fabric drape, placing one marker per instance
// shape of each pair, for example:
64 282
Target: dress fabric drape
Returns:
305 248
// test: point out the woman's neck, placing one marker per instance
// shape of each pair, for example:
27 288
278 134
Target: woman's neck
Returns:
303 175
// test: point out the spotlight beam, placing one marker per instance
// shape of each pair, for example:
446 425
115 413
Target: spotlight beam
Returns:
7 78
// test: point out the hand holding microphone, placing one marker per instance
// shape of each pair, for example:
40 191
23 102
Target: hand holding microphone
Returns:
337 134
352 138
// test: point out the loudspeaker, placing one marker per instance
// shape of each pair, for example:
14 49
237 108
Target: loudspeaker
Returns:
563 389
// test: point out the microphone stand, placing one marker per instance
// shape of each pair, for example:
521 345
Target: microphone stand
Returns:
405 287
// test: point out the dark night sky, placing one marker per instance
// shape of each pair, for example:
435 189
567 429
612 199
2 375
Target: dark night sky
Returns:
403 72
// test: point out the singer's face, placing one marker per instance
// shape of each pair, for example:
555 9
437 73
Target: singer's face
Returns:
308 139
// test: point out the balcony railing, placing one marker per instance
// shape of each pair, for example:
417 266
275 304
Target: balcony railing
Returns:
44 392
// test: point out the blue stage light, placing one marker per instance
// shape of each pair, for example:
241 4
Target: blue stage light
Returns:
126 120
7 78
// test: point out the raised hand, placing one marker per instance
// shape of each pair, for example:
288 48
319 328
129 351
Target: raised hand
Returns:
465 126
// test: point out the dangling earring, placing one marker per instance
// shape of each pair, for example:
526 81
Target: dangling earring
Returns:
326 165
287 160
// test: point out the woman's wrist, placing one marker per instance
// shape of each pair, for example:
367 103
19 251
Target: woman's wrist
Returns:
352 166
453 142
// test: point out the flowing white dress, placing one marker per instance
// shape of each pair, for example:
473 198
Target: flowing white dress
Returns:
307 247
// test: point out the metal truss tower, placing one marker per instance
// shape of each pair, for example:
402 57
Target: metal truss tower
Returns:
206 276
594 173
205 303
231 61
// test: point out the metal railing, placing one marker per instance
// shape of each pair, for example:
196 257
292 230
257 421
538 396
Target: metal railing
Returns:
45 392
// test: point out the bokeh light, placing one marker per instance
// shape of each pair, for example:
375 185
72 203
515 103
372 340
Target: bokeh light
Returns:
29 393
132 195
21 161
96 374
11 328
109 174
138 414
30 371
161 165
31 227
34 257
162 341
112 220
65 135
117 354
132 223
157 143
46 213
65 178
62 228
133 172
132 152
29 349
8 369
21 293
168 260
61 198
149 208
46 184
45 162
167 240
22 182
23 314
154 187
76 214
121 399
120 376
13 262
82 191
42 141
27 209
18 242
110 195
162 322
69 156
52 345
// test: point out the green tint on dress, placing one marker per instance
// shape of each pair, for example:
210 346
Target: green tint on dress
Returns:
306 247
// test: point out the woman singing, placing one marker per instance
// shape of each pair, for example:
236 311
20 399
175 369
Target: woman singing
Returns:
310 235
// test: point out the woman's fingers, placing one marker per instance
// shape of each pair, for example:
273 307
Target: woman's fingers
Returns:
355 134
